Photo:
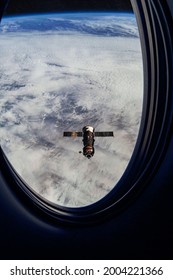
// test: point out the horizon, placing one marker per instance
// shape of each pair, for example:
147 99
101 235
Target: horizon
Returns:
68 13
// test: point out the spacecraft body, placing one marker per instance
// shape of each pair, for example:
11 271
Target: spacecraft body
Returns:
88 141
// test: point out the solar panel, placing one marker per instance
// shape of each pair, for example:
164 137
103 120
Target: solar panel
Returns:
72 134
104 134
96 134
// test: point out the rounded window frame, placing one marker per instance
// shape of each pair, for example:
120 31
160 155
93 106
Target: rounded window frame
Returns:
155 27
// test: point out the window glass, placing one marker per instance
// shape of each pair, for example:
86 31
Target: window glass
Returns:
58 73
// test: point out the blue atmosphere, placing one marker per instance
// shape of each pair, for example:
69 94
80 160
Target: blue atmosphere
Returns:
100 24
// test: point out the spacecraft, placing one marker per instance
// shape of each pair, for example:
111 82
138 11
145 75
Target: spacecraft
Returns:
88 133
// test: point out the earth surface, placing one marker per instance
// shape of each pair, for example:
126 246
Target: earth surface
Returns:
60 72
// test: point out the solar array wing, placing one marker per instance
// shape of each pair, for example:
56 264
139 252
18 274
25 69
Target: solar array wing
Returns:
96 134
104 134
72 134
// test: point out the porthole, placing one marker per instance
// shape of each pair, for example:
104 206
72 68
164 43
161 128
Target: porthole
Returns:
151 140
62 72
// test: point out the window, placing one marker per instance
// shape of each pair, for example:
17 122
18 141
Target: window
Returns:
154 130
61 72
